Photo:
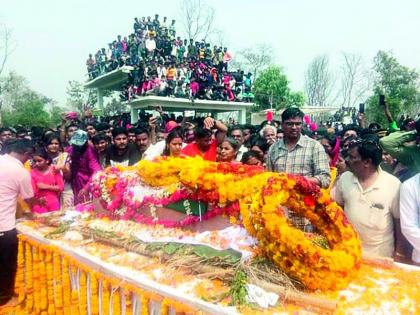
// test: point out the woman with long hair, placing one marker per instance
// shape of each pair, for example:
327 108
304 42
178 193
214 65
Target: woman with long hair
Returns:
62 163
261 146
331 144
174 143
47 183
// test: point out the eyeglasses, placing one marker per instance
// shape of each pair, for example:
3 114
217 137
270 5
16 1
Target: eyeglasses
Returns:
292 123
363 142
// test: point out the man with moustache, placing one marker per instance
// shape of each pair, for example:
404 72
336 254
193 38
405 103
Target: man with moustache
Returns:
121 152
299 155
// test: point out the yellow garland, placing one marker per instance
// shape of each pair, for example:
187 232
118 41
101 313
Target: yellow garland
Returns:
47 287
50 282
165 307
58 284
105 296
28 277
83 293
74 292
116 301
291 250
66 287
128 304
43 280
20 274
94 302
36 277
144 305
260 204
333 177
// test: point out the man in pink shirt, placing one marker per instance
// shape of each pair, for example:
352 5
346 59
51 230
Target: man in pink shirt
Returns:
227 57
15 181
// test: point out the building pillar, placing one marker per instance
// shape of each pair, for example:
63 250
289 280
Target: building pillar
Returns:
242 116
134 115
100 100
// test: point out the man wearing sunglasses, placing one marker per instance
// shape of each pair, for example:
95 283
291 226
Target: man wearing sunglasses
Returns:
370 198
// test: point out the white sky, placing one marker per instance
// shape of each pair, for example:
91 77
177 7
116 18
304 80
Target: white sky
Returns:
54 37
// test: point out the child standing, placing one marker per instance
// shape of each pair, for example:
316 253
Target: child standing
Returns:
47 183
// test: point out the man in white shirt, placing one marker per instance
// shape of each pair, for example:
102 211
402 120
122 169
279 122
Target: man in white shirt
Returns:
410 214
150 45
15 181
370 198
161 71
163 86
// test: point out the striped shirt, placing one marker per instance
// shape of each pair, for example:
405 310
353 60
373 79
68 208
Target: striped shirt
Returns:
306 158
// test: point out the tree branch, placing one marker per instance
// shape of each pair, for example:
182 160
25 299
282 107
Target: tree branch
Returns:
5 49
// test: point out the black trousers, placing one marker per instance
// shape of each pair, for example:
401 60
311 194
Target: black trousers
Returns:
8 264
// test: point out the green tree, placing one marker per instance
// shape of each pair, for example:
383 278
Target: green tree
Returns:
271 90
115 107
22 105
398 83
30 113
295 99
15 90
55 115
80 98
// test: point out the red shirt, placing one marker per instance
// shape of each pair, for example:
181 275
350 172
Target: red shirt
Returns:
192 150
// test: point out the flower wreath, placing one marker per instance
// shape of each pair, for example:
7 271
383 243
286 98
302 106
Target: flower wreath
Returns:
261 196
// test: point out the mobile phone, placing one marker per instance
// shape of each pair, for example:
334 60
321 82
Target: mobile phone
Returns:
155 114
381 100
361 108
189 113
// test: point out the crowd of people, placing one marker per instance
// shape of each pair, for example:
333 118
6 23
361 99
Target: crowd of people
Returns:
166 65
371 164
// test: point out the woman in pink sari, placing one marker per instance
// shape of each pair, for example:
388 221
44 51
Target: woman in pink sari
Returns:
84 164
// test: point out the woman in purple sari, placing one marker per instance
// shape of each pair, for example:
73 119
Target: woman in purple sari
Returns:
83 165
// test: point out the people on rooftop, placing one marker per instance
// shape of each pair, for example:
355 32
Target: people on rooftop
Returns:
164 64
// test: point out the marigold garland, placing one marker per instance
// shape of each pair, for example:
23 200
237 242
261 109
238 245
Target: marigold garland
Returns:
94 301
116 300
128 302
290 249
83 293
20 274
43 279
105 296
29 280
74 307
62 296
36 277
58 284
66 287
144 305
261 196
50 282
